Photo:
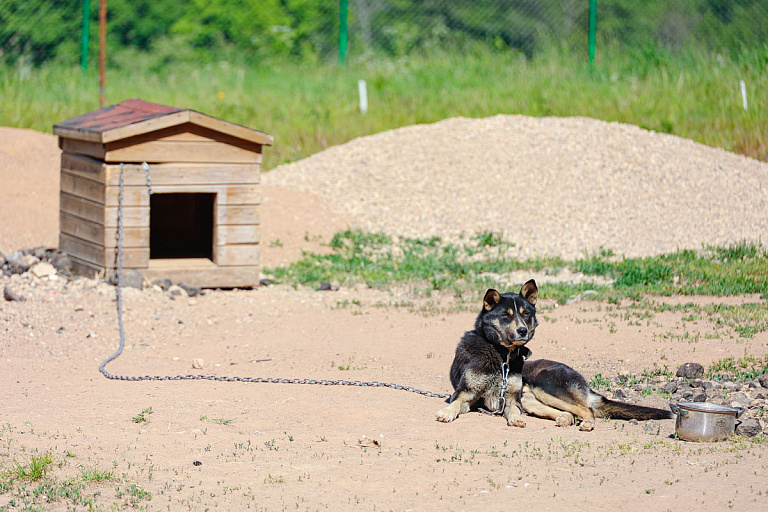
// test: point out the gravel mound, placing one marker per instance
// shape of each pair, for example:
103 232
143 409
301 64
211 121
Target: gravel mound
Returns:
553 186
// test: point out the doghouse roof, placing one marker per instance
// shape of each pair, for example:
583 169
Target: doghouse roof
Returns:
136 117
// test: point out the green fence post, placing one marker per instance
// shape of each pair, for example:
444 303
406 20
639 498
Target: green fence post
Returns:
592 29
343 31
85 34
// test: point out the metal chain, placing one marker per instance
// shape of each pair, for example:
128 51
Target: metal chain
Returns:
504 383
271 380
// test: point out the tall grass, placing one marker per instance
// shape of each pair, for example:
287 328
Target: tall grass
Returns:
310 106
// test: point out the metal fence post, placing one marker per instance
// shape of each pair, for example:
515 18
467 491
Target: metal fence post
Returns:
343 31
85 34
592 29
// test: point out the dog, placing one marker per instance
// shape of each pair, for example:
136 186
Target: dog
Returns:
542 388
496 346
556 391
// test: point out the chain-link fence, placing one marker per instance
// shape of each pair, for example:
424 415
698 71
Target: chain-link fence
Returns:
38 31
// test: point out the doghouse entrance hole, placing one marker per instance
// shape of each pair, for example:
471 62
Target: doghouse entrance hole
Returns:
181 226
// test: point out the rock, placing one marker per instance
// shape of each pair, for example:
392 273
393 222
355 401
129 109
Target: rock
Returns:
731 386
749 427
133 279
670 387
198 364
763 380
18 262
12 295
690 371
619 393
687 394
163 284
652 428
328 287
176 290
60 262
192 291
699 396
42 269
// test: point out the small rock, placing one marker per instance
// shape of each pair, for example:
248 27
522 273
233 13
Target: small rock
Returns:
328 287
42 269
163 284
60 261
18 262
633 422
690 371
731 386
763 380
12 295
176 290
619 393
687 394
192 291
652 428
670 387
699 396
198 364
749 427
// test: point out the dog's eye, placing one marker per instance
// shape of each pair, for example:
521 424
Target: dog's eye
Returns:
524 313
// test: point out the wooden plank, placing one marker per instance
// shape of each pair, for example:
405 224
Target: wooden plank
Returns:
226 194
85 251
235 130
187 132
83 268
83 188
78 207
237 255
168 152
99 235
133 217
247 234
206 276
185 174
150 125
83 166
133 257
237 215
80 147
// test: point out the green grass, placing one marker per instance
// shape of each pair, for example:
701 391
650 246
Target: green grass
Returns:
473 265
143 416
311 106
744 368
34 469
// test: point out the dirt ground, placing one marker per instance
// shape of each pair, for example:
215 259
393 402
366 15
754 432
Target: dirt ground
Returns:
250 446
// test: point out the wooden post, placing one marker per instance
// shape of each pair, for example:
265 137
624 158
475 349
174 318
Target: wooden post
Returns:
102 50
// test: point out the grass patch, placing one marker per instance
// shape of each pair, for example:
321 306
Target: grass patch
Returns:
35 468
467 268
143 416
311 106
740 369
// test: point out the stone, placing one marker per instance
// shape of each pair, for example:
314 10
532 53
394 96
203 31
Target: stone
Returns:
18 262
192 291
699 396
749 427
176 290
328 287
690 371
42 269
670 387
60 262
11 295
619 393
163 284
763 380
652 428
198 364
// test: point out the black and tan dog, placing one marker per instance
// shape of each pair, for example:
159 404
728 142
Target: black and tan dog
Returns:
542 388
497 344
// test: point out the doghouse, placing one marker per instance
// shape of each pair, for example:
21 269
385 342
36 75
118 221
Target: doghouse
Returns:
199 224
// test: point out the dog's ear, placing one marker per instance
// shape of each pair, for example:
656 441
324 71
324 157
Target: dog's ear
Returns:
530 292
491 299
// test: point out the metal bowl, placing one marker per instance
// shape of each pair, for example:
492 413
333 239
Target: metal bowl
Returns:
705 422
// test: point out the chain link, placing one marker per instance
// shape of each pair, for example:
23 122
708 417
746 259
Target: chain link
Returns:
218 378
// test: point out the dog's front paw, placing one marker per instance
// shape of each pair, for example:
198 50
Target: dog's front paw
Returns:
587 426
516 422
564 420
447 414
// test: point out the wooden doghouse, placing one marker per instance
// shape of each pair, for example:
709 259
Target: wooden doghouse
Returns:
199 225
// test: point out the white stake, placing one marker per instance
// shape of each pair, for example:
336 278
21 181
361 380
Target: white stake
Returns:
363 92
743 94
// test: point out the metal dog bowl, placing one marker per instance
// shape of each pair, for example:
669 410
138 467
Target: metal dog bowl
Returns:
705 422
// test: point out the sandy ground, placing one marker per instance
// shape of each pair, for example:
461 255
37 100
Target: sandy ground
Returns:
238 446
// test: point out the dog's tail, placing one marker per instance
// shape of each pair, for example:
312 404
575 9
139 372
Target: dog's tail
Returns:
606 408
